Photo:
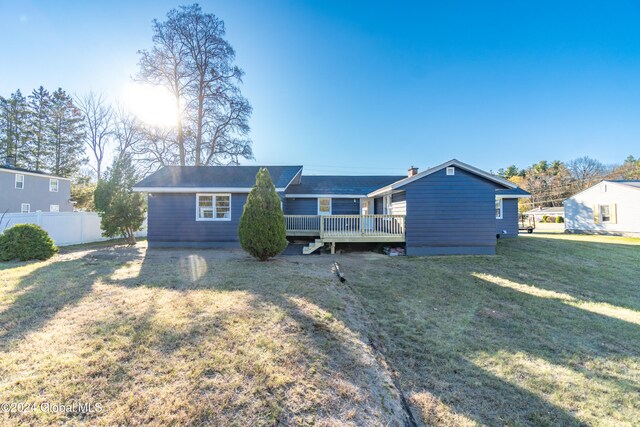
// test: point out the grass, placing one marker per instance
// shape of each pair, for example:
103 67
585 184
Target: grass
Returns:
545 333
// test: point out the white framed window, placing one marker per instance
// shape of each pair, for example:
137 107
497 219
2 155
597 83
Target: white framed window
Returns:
54 208
19 181
25 208
498 208
324 206
53 185
605 213
213 207
451 170
387 206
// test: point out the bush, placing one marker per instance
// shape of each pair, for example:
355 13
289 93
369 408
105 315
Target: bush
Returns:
559 220
262 230
25 242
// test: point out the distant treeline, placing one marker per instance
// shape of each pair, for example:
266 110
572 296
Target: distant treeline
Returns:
552 182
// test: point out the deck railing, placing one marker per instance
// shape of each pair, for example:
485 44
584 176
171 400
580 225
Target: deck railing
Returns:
344 226
301 224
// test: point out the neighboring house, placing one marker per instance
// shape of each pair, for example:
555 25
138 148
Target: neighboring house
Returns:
610 207
26 191
453 208
539 212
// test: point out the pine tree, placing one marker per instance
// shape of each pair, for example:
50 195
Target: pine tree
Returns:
262 229
66 135
39 146
13 128
121 210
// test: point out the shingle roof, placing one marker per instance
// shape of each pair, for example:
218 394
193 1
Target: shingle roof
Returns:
216 176
512 192
15 169
629 182
553 209
341 184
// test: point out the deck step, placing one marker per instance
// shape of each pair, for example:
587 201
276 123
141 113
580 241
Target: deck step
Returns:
313 246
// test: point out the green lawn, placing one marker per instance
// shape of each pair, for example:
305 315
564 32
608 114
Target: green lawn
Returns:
545 333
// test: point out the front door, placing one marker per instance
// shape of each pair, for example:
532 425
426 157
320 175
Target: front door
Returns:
366 209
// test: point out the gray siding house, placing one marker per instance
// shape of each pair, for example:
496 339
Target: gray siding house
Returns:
609 207
23 191
453 208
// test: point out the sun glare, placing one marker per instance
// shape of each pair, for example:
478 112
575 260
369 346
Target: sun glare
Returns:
153 105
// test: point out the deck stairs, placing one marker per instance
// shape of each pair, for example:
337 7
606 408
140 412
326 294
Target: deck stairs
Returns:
313 246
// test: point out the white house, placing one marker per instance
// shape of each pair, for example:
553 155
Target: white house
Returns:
610 207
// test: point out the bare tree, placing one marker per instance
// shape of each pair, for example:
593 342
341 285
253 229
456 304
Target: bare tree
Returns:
191 58
98 121
585 171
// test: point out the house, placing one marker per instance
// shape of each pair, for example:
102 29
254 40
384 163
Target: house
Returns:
539 212
609 207
453 208
26 191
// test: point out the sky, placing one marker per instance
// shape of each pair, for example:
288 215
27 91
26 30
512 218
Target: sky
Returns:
361 87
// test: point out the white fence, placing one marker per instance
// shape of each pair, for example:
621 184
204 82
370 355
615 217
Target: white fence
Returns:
65 228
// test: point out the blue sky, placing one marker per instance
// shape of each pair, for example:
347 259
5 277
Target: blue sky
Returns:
373 87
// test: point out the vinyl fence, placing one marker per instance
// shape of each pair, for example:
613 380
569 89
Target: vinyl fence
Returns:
65 228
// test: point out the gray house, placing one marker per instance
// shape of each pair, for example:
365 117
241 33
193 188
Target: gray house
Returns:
24 191
609 207
453 208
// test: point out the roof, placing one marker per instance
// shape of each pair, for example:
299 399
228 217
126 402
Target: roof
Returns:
628 182
30 172
511 192
214 178
452 162
552 209
340 184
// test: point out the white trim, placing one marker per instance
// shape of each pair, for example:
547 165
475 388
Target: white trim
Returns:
293 179
333 196
41 175
513 196
196 189
28 205
57 208
15 182
51 180
330 206
213 206
452 162
501 208
452 170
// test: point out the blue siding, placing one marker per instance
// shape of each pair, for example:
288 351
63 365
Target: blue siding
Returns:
301 206
378 206
345 206
450 214
509 221
306 206
172 222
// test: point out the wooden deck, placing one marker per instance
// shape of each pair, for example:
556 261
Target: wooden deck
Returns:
348 228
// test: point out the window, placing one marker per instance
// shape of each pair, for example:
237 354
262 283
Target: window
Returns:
19 181
54 208
53 185
498 208
605 214
324 206
25 208
451 170
213 207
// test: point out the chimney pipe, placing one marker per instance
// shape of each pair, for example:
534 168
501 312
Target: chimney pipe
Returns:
10 161
412 171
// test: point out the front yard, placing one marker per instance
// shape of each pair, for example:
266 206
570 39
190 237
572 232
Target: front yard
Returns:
545 333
